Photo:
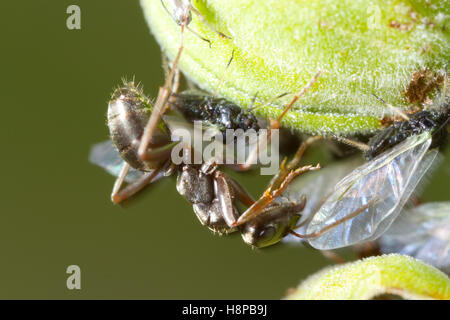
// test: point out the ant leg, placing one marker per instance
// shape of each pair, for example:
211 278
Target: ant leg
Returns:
119 181
272 193
240 193
355 144
176 81
224 192
202 19
118 195
275 124
166 68
280 181
160 153
161 101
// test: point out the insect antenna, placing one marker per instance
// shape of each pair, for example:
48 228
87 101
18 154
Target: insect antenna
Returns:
436 131
222 77
396 110
268 101
358 145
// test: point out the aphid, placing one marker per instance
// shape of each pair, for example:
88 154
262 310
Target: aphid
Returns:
422 232
365 202
182 15
213 195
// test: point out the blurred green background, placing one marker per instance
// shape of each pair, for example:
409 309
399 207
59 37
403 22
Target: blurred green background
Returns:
55 208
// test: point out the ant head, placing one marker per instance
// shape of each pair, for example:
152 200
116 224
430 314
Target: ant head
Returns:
272 225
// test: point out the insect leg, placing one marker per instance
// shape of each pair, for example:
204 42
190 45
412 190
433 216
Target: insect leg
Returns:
160 153
161 101
272 193
240 193
224 192
118 195
275 124
119 181
280 181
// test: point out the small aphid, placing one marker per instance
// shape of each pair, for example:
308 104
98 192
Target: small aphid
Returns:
182 14
422 232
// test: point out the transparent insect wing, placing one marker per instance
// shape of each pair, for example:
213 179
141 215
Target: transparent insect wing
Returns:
316 186
422 232
378 190
106 156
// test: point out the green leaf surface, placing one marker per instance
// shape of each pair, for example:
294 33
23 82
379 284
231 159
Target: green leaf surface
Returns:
365 279
361 46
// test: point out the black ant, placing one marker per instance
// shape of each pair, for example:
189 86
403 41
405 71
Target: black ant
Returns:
212 194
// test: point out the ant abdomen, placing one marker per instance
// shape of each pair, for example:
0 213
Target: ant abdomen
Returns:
128 112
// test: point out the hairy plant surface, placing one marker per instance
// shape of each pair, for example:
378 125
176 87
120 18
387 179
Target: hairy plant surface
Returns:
362 47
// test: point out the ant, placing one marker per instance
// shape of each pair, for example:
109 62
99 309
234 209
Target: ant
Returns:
212 194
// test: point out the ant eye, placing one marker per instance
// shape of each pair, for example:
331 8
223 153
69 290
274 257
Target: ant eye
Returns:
267 233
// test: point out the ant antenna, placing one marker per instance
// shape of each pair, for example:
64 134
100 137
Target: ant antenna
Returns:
441 126
444 86
223 75
396 110
358 145
253 107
